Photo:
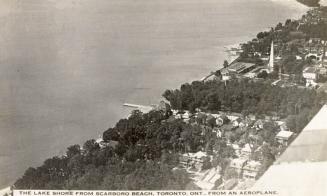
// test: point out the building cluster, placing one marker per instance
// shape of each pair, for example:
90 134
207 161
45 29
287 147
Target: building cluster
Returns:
247 135
313 74
246 169
193 160
317 70
251 70
309 52
248 159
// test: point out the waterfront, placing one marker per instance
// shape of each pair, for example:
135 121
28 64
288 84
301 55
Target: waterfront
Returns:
66 72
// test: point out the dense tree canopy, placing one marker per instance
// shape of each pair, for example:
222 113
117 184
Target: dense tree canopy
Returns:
142 159
243 96
148 145
246 96
140 152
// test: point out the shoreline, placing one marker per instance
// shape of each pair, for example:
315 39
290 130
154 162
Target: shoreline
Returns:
287 3
294 4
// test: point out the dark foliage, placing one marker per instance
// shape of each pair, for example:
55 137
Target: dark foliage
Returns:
142 160
246 96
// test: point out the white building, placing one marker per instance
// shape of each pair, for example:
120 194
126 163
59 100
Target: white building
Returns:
195 160
234 116
314 55
238 165
282 125
186 115
298 58
323 70
237 122
225 75
250 75
311 75
251 169
104 144
283 137
236 149
258 124
246 151
220 119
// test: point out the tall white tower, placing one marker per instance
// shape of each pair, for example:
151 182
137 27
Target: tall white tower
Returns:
271 58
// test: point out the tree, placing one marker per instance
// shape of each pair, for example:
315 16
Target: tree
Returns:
110 134
90 146
262 35
91 179
268 159
178 180
279 26
29 180
73 150
269 131
288 22
291 122
76 165
148 144
226 64
120 149
201 118
206 164
212 122
263 75
213 102
230 173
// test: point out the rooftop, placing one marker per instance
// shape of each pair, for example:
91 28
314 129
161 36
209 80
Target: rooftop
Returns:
284 134
240 66
310 70
253 165
200 154
224 71
235 146
209 180
237 162
247 148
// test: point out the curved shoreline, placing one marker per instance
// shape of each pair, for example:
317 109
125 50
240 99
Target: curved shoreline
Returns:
283 4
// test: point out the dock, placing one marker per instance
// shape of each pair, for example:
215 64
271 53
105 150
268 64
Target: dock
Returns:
142 108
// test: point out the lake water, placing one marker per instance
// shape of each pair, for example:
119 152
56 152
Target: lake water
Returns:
67 66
